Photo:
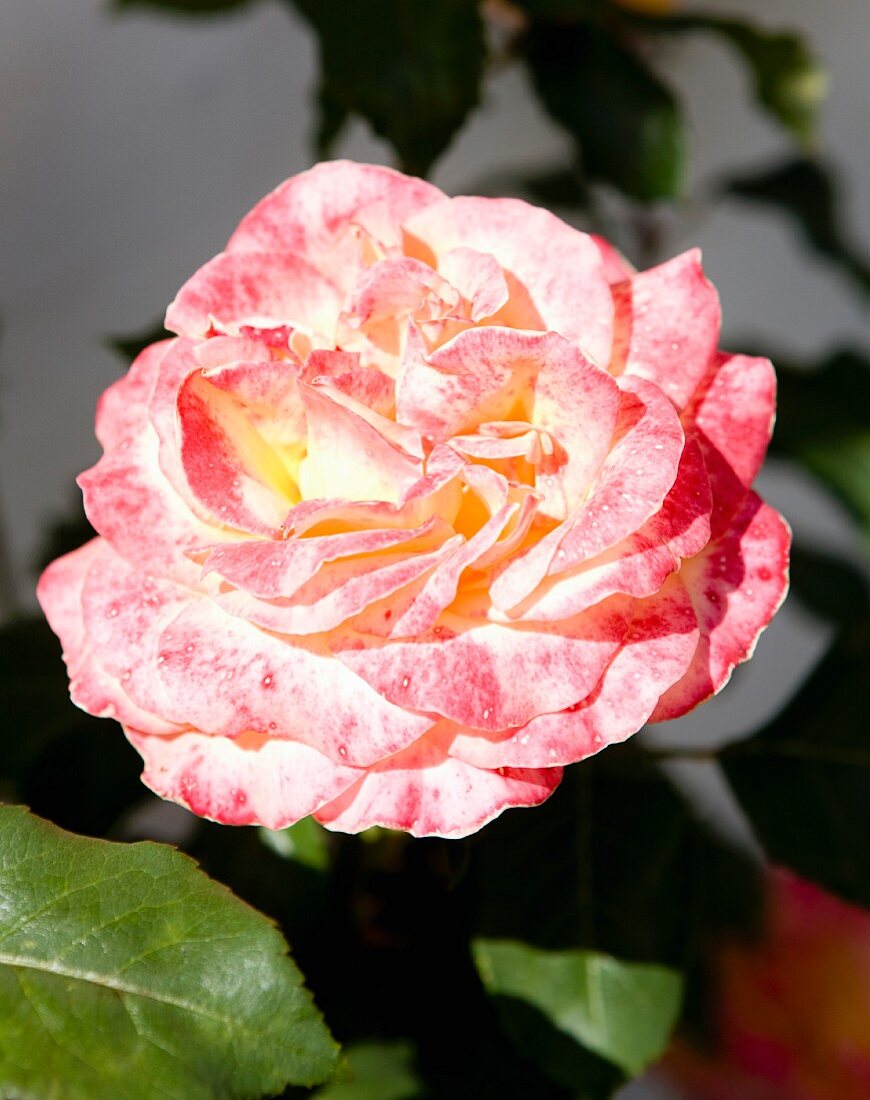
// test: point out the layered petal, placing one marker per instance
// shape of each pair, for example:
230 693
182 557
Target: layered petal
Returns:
425 792
252 780
735 586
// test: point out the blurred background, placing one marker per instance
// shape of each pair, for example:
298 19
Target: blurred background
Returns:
133 139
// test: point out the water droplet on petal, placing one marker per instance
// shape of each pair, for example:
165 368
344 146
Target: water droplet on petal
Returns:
113 611
342 750
405 681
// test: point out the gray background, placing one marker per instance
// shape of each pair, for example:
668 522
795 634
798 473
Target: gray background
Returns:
131 146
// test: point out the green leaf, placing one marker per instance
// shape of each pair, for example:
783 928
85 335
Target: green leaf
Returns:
807 192
411 70
790 83
804 780
184 7
627 124
823 421
624 1012
125 971
379 1071
128 347
306 842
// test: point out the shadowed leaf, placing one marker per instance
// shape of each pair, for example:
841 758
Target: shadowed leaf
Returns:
627 124
411 70
624 1012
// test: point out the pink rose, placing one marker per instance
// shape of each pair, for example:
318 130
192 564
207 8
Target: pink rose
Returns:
429 498
793 1010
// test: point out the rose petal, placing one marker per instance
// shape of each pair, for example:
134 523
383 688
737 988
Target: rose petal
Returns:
305 214
667 325
733 419
493 676
252 780
428 793
658 649
230 468
123 407
735 585
554 273
228 677
258 289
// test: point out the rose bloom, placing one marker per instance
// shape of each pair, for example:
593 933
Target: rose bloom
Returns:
792 1011
428 498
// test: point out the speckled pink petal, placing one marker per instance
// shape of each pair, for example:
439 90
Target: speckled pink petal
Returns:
637 566
273 570
338 592
636 477
305 213
123 407
555 273
493 676
254 288
395 288
657 651
684 519
479 279
125 614
733 419
667 325
364 384
427 793
634 481
253 780
228 677
577 404
479 375
735 586
616 267
59 592
229 467
441 586
91 687
267 392
129 501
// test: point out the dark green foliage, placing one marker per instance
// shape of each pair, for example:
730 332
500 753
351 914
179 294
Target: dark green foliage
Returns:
625 121
411 70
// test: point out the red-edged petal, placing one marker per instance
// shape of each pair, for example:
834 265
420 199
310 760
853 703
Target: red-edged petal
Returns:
253 780
259 289
228 677
633 483
735 586
305 214
123 407
616 267
125 614
272 570
667 325
493 676
479 279
554 273
578 404
427 793
230 468
338 592
733 419
91 687
129 501
657 650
